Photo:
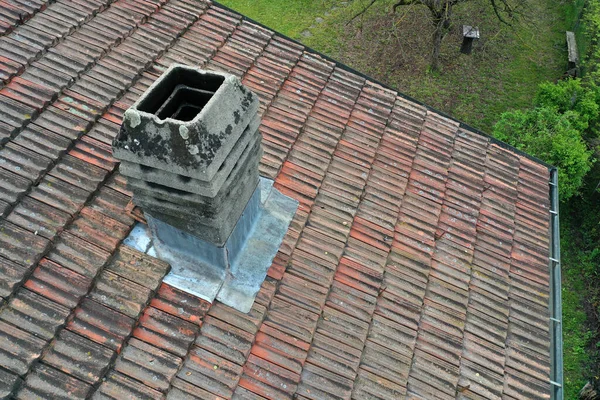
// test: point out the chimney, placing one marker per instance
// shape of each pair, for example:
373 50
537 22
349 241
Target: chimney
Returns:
190 149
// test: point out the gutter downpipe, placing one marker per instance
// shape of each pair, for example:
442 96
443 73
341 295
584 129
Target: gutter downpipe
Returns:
556 340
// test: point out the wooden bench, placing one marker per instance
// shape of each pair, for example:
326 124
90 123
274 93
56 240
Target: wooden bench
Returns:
573 67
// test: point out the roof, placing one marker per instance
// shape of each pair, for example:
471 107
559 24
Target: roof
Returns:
416 265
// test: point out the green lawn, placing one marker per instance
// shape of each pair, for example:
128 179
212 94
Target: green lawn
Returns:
503 73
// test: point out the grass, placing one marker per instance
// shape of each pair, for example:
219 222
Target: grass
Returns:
580 236
287 17
503 73
577 335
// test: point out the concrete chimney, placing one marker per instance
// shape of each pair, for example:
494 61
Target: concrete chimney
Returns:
190 149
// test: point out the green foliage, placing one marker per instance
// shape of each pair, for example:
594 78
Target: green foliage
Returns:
580 234
591 19
572 95
553 137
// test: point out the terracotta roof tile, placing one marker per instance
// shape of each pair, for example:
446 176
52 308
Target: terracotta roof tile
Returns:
98 229
79 357
9 382
35 314
45 381
42 141
62 123
11 276
268 380
334 356
38 217
225 340
18 349
118 385
180 304
57 283
147 364
210 372
21 246
24 162
415 266
101 324
277 347
120 294
319 383
78 255
166 332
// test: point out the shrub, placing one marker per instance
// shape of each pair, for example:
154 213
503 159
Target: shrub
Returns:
553 136
571 95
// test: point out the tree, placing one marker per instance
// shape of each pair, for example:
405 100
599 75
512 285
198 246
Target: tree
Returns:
576 95
441 14
552 136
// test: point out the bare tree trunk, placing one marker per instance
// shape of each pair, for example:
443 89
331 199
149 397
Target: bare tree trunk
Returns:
441 23
438 35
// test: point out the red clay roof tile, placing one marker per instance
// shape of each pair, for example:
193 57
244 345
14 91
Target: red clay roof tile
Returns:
45 381
79 357
57 283
101 324
35 314
18 349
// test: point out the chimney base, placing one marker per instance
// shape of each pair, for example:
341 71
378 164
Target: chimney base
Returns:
232 273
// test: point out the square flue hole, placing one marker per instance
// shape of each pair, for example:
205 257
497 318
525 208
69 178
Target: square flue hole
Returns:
181 94
184 103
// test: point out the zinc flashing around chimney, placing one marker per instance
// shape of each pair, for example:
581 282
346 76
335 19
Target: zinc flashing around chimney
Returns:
190 149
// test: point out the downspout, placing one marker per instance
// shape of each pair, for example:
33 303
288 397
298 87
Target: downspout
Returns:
556 341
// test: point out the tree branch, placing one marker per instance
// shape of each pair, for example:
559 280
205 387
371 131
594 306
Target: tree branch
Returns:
364 10
403 3
497 12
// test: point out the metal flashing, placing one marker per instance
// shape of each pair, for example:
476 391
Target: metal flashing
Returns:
208 271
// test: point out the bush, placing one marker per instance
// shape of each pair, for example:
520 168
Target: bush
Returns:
572 95
553 136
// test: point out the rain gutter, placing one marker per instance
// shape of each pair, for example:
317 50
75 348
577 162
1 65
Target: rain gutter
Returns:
556 340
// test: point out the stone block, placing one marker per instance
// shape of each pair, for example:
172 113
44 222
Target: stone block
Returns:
197 205
215 230
244 149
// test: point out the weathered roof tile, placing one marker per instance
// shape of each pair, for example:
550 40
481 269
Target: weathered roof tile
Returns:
120 294
210 372
19 349
165 331
46 382
34 313
79 357
39 218
101 324
147 364
11 276
78 255
118 385
57 283
180 304
225 340
43 141
20 246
